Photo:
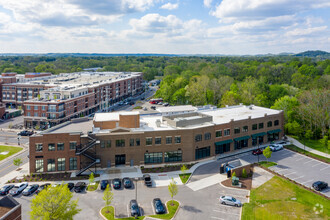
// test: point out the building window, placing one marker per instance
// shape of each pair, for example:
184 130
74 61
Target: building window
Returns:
158 140
219 149
173 156
202 153
237 130
131 142
60 146
207 136
28 114
226 132
148 141
109 143
38 147
73 145
35 107
261 125
241 144
198 137
254 127
137 141
51 147
153 158
39 166
73 163
102 144
43 114
35 114
269 124
245 128
218 133
276 122
60 164
50 165
28 107
177 139
169 140
43 108
120 143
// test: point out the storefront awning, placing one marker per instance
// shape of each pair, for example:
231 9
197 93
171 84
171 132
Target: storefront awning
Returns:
258 135
274 131
223 142
241 138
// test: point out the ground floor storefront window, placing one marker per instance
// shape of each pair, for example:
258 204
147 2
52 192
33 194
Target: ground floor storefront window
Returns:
219 149
173 156
240 144
39 166
273 137
153 158
202 153
50 165
73 163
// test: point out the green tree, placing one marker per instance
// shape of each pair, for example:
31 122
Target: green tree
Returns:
197 90
233 175
308 134
173 189
267 153
184 169
54 203
91 180
244 173
288 105
107 197
293 128
325 141
17 162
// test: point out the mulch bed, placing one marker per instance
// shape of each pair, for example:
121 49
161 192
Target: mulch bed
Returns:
167 168
246 183
49 177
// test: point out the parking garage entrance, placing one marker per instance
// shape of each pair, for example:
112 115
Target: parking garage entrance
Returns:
120 159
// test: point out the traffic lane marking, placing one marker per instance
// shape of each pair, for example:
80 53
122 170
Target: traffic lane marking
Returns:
324 168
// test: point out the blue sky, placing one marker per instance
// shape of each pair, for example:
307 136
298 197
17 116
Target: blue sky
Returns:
158 26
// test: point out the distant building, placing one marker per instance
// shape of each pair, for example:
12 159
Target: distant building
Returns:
10 209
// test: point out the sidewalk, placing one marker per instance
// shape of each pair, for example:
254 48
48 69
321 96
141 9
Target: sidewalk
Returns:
311 150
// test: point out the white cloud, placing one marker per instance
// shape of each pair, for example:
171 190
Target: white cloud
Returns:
170 6
207 3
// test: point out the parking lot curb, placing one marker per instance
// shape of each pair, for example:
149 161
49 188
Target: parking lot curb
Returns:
176 210
100 212
233 187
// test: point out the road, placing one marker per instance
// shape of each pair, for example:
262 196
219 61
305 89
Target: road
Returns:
7 166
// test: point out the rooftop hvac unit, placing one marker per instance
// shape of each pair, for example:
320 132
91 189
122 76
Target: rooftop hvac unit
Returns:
158 123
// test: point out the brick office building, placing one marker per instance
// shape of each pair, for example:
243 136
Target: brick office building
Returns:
128 138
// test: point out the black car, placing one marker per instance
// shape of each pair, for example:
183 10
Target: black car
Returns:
79 187
132 103
127 182
30 189
5 190
42 187
134 207
320 185
116 183
25 133
104 184
153 107
147 180
70 186
158 205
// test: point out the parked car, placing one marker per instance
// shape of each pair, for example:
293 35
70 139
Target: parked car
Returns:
257 152
104 184
132 103
320 185
5 189
147 180
145 109
42 187
116 183
25 133
153 107
228 200
16 190
79 187
166 104
134 207
30 189
159 207
70 186
276 147
142 98
127 182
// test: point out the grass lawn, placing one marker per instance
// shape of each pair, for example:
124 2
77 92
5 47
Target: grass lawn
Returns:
110 215
280 199
93 187
184 177
267 164
171 210
315 144
299 150
10 149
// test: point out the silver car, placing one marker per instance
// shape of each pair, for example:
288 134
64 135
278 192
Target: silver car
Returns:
228 200
276 147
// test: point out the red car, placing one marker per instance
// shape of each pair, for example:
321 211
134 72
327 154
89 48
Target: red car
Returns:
257 152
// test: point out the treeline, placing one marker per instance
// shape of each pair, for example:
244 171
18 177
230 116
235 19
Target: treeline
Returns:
298 85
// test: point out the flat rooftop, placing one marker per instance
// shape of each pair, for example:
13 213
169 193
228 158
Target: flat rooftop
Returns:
71 127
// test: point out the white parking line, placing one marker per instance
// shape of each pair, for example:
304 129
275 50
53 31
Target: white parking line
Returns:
316 164
298 178
287 153
306 182
300 159
224 212
289 173
309 161
242 196
217 218
325 168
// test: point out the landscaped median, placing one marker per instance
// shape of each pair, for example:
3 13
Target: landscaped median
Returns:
93 186
299 150
7 151
279 197
184 177
267 164
172 207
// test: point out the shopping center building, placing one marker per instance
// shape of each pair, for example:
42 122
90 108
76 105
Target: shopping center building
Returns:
139 139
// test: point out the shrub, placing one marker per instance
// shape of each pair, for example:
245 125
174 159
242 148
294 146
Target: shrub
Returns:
244 174
234 174
19 181
25 179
